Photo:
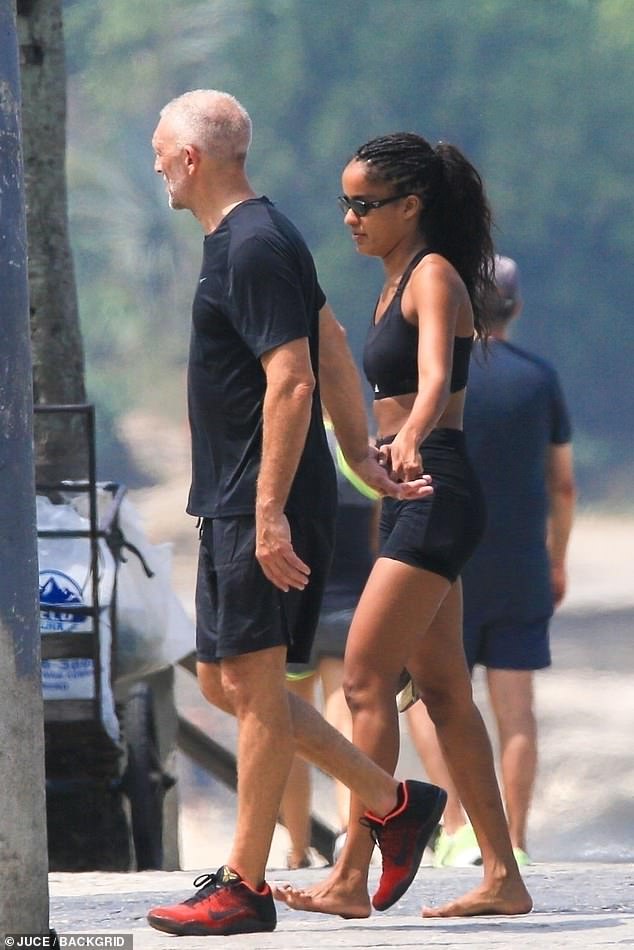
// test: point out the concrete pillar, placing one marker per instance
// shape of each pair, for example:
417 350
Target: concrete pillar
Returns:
23 850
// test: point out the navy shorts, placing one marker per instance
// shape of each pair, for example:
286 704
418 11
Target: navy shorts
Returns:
238 610
439 533
505 644
330 641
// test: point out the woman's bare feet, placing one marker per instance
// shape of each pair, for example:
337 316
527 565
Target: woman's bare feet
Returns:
345 895
507 897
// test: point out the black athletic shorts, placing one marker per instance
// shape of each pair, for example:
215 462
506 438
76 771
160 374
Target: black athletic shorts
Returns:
238 610
439 533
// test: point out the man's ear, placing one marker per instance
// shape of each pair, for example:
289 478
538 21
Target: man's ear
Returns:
192 157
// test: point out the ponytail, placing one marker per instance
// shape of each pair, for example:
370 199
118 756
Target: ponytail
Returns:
458 226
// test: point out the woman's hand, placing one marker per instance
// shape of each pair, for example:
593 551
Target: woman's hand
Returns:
374 473
402 458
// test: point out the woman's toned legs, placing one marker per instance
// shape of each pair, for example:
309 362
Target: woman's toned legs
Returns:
440 671
423 734
397 605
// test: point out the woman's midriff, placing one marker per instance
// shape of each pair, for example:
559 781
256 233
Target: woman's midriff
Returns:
392 413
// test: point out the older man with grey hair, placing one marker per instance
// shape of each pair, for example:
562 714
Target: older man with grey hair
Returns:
264 348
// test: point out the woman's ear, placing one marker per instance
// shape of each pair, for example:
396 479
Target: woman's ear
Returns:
413 206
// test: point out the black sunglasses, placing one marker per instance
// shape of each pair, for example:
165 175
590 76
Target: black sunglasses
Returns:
361 207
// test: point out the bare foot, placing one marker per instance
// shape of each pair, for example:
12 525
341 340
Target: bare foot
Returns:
504 898
345 896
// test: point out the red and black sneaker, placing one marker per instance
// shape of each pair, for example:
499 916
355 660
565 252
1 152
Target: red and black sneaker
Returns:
402 837
224 905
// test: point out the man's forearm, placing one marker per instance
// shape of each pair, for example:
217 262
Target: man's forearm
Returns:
562 506
285 421
561 500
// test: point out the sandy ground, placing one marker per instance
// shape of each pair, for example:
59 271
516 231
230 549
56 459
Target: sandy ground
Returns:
582 805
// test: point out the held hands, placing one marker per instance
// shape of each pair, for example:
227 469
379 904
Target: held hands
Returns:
377 471
402 458
274 551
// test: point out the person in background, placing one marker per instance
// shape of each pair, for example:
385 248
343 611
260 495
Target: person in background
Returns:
421 210
265 350
354 552
519 440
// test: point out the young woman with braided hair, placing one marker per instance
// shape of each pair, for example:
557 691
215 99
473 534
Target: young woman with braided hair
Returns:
423 212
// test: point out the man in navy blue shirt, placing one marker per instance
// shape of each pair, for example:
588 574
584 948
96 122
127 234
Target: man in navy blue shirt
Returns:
518 438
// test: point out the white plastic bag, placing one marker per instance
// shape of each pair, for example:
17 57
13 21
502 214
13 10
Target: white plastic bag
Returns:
65 578
153 630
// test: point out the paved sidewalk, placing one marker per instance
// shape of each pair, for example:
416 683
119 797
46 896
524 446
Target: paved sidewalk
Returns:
581 906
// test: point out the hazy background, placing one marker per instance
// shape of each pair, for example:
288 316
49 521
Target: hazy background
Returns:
538 95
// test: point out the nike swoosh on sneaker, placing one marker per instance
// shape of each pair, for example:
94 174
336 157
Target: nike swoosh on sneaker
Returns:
221 914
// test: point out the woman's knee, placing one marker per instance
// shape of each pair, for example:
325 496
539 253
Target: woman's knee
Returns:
365 688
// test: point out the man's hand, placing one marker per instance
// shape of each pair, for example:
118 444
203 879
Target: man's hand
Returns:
375 475
274 551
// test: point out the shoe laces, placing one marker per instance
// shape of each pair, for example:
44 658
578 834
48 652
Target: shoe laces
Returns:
385 836
208 883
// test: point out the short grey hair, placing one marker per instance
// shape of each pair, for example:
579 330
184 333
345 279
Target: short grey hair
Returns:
213 121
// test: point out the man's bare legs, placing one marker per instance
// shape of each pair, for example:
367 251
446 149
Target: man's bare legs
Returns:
511 694
253 687
337 713
295 807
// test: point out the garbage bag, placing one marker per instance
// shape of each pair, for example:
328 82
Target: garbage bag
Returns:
153 629
65 578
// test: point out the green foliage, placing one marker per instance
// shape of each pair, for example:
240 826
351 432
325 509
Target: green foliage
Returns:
538 95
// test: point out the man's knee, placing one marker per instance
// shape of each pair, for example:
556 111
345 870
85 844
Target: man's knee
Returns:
210 683
249 678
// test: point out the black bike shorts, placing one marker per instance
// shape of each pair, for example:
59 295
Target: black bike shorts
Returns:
439 533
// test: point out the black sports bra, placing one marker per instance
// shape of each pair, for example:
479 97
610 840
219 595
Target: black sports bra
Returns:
390 354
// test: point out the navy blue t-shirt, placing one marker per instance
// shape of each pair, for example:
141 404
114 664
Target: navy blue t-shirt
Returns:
514 412
258 289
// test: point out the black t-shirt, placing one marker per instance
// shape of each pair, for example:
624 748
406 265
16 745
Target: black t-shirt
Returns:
258 289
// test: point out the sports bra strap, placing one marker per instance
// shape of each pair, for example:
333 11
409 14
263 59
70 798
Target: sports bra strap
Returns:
407 273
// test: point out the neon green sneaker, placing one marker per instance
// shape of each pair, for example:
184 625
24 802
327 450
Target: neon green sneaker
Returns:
521 857
441 848
459 850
